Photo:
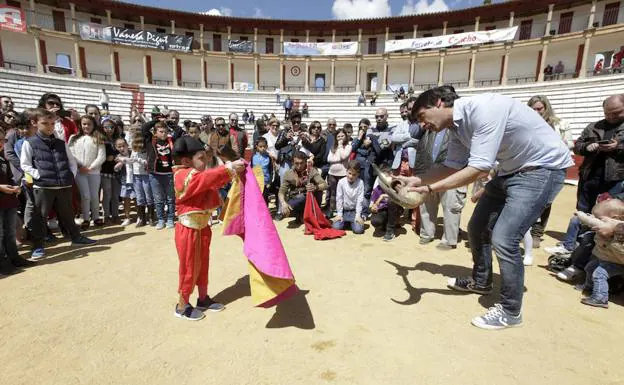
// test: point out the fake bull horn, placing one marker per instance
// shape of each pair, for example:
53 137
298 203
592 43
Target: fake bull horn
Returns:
397 192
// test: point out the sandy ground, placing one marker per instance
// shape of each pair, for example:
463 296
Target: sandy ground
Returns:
370 312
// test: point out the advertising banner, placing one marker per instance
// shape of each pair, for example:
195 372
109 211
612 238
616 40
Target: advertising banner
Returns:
321 49
243 86
242 46
147 39
445 41
92 31
12 19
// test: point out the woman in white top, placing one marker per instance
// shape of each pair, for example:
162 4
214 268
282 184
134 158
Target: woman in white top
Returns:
542 106
88 148
271 137
338 157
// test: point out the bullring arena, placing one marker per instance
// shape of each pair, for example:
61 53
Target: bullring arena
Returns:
368 311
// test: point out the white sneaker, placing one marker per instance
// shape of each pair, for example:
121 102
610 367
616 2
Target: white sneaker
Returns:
569 273
126 222
528 260
557 250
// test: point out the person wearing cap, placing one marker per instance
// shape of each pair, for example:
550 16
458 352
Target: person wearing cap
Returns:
197 195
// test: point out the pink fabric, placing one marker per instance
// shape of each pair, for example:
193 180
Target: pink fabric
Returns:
262 244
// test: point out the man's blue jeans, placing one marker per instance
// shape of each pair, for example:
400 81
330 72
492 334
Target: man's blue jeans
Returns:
510 205
348 217
162 189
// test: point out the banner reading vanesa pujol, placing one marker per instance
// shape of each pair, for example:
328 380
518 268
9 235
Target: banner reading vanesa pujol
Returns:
467 38
321 49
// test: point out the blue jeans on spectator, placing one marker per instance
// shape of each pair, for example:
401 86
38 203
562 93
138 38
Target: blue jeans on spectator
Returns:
510 205
348 218
143 190
597 277
162 188
8 247
89 186
298 202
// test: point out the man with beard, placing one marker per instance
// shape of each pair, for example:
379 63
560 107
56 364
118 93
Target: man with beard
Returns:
6 104
222 143
381 136
173 118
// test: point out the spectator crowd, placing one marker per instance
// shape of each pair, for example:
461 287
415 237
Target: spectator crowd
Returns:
63 171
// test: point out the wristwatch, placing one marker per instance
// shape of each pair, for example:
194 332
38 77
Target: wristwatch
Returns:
430 189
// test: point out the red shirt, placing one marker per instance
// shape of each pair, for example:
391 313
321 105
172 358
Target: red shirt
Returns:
617 59
198 190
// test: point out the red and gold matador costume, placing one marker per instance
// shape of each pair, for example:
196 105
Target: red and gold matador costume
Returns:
197 196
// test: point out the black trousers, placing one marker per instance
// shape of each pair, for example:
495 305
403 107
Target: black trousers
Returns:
45 200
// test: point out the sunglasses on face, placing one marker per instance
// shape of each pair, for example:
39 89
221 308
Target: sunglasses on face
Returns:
296 122
220 125
11 116
380 116
109 127
233 120
316 127
53 103
332 124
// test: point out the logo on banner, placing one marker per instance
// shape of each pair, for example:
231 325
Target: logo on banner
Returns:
92 31
12 19
147 39
320 49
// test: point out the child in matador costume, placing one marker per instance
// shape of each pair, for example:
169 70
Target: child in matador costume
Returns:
197 195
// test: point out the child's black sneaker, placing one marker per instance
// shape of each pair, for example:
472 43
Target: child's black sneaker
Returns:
189 313
208 304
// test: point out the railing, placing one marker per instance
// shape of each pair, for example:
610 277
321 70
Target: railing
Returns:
218 86
20 66
268 87
490 82
344 88
159 82
560 76
294 88
318 89
457 83
191 84
98 76
521 79
46 21
425 86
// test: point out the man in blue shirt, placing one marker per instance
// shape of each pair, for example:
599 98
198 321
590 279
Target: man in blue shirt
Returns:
485 130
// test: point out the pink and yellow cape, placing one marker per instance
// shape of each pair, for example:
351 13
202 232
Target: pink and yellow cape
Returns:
247 215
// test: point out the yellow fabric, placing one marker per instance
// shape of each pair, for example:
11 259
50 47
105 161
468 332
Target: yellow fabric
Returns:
265 288
232 205
259 174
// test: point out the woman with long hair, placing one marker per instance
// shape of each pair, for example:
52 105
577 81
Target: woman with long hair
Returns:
88 147
315 144
111 186
337 158
541 105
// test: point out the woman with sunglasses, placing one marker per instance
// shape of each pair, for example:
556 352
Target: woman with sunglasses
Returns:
64 127
315 144
362 146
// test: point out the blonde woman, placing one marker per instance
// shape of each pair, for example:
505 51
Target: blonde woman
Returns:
541 105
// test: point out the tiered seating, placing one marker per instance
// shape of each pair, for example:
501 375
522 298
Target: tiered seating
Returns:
577 101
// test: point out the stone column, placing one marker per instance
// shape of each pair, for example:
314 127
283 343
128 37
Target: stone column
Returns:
307 74
549 19
415 31
444 25
229 33
77 66
358 71
145 77
385 74
412 69
511 19
72 11
583 70
31 5
359 52
255 49
175 71
333 35
592 15
332 86
281 50
542 63
38 52
282 83
109 17
173 27
202 64
112 62
142 22
256 71
229 72
503 79
441 68
201 40
386 41
471 70
477 19
307 35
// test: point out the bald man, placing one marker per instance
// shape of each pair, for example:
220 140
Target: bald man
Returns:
381 137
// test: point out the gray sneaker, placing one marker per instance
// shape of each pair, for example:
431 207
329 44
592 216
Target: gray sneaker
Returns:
497 318
188 313
468 284
209 304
